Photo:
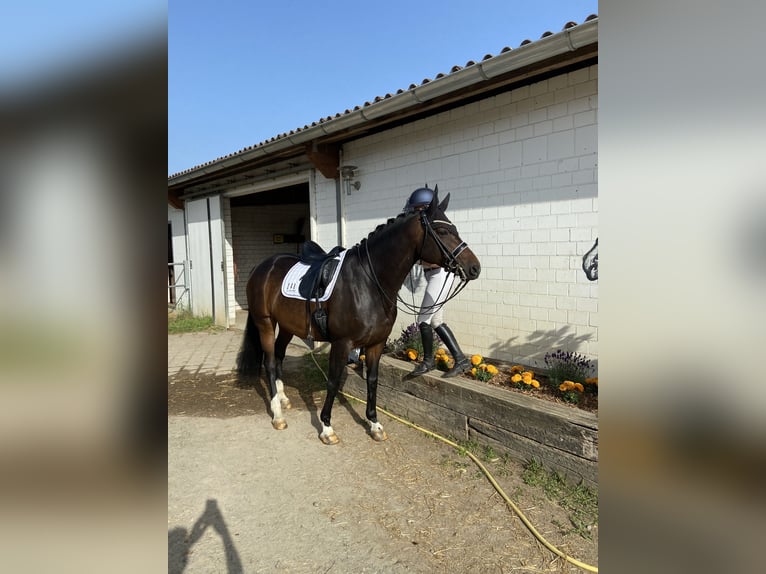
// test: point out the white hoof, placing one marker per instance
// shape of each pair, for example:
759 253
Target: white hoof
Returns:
328 436
377 432
279 424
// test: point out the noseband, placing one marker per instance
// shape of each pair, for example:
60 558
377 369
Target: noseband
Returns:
452 264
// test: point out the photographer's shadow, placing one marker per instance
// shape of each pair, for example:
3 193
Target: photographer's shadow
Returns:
180 541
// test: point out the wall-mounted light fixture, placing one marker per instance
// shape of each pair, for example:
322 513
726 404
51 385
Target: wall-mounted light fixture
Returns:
348 172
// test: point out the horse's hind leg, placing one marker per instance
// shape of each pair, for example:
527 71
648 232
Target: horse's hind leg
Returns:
266 330
280 350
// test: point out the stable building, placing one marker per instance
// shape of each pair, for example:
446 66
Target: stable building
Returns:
512 138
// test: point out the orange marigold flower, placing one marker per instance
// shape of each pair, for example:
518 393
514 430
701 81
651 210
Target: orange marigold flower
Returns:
535 383
529 374
473 371
527 380
476 359
362 357
412 354
579 387
592 381
492 369
516 369
515 378
440 352
566 386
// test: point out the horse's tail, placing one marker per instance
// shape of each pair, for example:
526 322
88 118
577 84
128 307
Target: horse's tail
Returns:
250 356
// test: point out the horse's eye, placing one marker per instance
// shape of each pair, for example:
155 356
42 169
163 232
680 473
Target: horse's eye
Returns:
441 231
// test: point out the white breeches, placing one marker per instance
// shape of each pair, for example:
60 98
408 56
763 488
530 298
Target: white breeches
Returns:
438 287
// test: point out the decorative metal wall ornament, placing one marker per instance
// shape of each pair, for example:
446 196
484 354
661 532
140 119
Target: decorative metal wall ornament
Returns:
590 262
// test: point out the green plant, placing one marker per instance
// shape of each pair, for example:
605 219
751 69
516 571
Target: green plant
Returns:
568 373
410 340
443 361
490 455
184 322
580 501
571 391
467 446
481 370
522 378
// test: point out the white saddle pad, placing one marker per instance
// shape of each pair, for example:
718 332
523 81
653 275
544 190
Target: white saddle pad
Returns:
293 279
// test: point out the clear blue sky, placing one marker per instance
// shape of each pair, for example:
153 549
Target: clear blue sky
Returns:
242 72
43 38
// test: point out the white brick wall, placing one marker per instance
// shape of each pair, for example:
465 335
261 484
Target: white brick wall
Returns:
521 168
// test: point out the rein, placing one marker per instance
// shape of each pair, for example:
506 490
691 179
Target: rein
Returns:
452 267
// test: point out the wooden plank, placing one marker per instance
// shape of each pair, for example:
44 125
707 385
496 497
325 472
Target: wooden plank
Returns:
431 416
561 438
526 416
476 394
576 440
523 449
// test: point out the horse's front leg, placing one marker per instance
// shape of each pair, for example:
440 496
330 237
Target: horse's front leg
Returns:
266 329
372 361
337 374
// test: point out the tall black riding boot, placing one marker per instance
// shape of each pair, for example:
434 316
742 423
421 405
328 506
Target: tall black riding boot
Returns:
462 363
427 338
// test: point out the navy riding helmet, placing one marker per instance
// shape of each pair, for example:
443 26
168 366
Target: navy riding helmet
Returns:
419 198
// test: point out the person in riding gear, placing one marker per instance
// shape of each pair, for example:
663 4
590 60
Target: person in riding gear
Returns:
430 317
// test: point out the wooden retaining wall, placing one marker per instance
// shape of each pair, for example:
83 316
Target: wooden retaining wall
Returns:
561 438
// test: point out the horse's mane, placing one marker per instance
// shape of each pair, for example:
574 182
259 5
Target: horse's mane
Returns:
385 225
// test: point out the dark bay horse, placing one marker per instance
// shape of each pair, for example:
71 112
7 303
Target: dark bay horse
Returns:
360 312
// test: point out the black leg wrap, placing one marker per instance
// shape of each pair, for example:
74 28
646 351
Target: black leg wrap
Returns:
462 363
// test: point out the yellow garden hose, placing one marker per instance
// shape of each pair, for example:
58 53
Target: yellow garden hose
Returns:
486 472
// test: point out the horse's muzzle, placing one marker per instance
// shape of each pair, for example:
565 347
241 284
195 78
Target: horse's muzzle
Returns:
473 272
466 273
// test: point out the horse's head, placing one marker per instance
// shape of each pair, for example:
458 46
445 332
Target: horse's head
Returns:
442 244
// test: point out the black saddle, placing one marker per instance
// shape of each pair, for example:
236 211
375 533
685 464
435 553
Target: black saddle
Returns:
322 266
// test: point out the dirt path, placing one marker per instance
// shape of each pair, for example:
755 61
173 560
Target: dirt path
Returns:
245 498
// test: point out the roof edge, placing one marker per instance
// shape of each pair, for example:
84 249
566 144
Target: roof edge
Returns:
570 39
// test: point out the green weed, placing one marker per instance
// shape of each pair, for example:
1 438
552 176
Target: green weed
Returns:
580 501
185 322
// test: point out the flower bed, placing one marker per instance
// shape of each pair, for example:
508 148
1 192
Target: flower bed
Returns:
524 380
568 377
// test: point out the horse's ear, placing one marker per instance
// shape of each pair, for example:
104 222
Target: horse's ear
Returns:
434 205
443 205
